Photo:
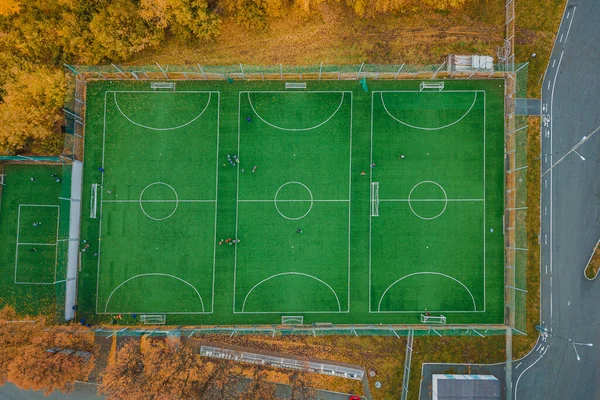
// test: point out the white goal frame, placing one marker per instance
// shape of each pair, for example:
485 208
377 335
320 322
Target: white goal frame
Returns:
375 199
433 319
439 86
153 319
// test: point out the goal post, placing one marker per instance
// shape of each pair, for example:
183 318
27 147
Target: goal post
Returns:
437 86
292 320
153 319
295 85
375 199
433 319
94 201
162 85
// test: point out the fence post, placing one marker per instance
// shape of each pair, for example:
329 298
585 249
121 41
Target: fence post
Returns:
320 70
242 69
360 70
398 73
201 70
163 71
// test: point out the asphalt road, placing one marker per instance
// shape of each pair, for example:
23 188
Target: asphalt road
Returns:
562 366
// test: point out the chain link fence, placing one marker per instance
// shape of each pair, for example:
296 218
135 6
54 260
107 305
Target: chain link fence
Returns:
515 215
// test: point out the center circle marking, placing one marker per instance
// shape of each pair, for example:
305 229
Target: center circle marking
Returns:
142 202
293 183
445 200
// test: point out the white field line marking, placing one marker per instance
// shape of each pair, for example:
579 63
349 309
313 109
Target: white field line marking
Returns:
428 273
37 244
212 305
17 247
484 197
290 201
56 243
162 129
371 217
237 202
415 200
423 128
153 274
350 193
101 203
293 273
295 129
158 201
38 205
519 378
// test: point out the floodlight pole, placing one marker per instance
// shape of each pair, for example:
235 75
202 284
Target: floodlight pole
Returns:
573 150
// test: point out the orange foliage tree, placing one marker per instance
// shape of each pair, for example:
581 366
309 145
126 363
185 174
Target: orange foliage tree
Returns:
34 367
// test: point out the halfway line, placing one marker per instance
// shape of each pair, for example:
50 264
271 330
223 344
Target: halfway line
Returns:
279 201
158 201
412 200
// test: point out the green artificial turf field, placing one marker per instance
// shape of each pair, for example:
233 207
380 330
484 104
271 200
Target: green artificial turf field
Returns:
31 269
350 207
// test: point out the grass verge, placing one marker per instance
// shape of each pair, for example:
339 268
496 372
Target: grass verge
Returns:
591 270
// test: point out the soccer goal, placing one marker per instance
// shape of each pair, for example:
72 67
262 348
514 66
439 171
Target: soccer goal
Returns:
162 85
433 319
153 319
292 320
2 179
375 199
295 85
94 201
439 86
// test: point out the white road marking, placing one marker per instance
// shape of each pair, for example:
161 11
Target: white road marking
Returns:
525 370
553 63
561 37
569 28
548 85
546 269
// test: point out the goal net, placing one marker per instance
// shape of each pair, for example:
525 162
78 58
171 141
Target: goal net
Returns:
162 85
292 320
153 319
295 85
94 201
438 86
433 319
375 199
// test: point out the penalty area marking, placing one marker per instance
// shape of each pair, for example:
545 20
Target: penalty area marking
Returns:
161 129
427 273
421 127
296 129
152 274
291 273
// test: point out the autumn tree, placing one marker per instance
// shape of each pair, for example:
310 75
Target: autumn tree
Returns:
15 335
124 378
153 368
31 109
192 19
34 367
118 31
259 387
300 386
